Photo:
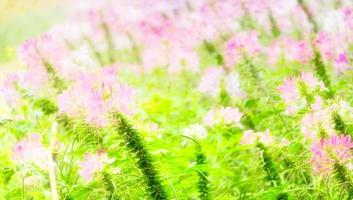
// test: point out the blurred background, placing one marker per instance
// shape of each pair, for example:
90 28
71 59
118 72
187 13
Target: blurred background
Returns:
22 19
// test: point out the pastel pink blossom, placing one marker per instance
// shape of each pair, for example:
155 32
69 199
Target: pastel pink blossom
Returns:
95 96
328 152
311 81
348 17
225 115
250 137
313 123
341 63
36 51
210 83
92 163
290 94
197 131
232 86
9 92
31 151
240 45
302 52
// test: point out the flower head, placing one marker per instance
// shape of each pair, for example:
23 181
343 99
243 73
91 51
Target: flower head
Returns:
196 130
250 137
93 163
226 115
328 152
31 150
94 96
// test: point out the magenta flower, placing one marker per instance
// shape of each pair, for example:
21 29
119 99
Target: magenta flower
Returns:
93 163
327 152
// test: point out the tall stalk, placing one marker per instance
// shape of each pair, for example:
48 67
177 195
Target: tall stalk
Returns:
143 158
203 184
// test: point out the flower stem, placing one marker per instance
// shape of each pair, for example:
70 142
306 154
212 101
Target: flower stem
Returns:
52 180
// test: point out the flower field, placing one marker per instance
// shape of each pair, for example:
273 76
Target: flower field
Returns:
179 99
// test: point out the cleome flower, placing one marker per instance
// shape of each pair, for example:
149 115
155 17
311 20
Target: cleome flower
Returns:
93 163
94 96
250 137
226 115
31 151
295 91
328 152
214 79
197 131
241 44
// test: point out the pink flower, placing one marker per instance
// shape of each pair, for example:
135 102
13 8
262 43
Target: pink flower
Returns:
93 163
95 96
31 150
290 94
289 90
302 52
250 137
210 83
311 81
35 52
348 17
225 115
9 92
243 44
196 130
314 123
232 86
341 63
327 152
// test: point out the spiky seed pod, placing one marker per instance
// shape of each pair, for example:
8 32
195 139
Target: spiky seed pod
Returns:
340 125
94 49
309 15
274 27
109 186
342 177
214 52
203 184
47 106
144 162
321 72
269 166
109 39
58 83
271 170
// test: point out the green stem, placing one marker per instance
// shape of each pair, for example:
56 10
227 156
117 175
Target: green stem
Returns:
309 15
